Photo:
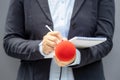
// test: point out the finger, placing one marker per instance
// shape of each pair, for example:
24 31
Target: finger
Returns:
50 43
47 49
59 63
51 38
63 63
56 34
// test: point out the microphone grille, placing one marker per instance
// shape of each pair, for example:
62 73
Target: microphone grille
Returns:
65 51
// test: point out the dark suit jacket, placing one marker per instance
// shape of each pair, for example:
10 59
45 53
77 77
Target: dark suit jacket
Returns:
25 28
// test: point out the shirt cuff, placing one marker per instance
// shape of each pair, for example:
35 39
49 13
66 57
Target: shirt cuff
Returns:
42 53
77 59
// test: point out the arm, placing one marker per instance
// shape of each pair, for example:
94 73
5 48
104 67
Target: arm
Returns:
16 43
104 28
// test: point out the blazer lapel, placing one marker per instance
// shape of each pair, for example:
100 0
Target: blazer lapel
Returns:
44 6
77 6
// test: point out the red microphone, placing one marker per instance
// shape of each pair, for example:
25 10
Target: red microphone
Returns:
65 51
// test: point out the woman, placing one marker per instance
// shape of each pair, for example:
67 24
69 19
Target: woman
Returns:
29 40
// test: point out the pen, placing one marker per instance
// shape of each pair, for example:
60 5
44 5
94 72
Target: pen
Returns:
48 28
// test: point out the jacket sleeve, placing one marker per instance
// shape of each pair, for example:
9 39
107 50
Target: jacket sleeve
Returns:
104 28
15 42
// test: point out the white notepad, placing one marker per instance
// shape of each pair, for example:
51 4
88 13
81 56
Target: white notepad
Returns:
84 42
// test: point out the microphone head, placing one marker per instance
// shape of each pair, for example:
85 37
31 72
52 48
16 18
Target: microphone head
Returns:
65 51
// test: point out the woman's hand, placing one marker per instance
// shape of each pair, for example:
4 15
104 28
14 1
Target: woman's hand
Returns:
50 40
63 63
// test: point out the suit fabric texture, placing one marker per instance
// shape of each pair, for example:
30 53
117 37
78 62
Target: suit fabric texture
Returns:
25 28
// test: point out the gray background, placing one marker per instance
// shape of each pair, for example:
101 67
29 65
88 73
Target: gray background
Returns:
9 66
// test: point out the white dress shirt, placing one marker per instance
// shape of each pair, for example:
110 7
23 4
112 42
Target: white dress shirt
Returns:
61 12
